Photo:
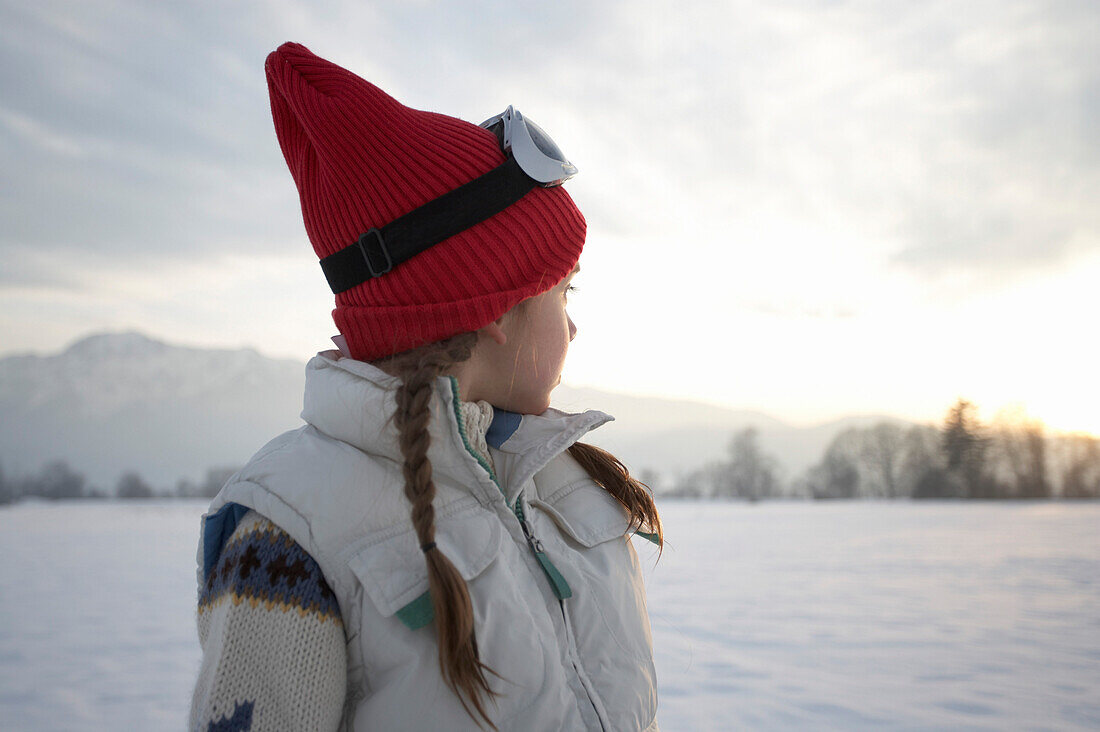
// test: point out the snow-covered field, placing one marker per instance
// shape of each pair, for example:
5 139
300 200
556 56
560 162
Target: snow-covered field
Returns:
767 616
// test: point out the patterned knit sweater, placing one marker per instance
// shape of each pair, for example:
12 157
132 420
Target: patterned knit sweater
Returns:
273 655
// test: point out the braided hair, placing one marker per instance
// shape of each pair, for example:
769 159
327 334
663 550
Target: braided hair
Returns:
459 663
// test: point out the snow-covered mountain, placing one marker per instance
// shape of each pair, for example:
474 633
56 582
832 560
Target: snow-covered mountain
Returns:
124 401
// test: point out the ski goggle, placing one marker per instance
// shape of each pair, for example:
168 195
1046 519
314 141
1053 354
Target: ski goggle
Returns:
538 155
531 159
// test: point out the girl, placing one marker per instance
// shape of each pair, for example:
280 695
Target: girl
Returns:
434 549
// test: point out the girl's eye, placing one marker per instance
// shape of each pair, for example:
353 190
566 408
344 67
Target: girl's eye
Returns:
570 289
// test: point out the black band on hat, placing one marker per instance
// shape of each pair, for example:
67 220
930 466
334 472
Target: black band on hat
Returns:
377 251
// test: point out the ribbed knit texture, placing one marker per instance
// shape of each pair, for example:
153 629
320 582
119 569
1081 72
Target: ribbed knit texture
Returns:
272 639
361 159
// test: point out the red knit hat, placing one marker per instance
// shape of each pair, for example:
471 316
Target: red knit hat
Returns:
361 159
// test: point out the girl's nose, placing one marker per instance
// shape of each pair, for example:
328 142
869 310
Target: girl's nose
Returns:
572 329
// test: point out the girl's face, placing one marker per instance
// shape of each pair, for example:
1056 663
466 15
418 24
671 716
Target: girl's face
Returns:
519 373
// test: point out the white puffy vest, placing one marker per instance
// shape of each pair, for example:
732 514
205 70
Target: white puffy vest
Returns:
559 617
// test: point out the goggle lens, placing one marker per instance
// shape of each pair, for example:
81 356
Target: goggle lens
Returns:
543 142
537 154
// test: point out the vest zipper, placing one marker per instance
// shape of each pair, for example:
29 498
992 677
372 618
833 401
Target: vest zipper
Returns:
585 682
561 588
562 591
558 583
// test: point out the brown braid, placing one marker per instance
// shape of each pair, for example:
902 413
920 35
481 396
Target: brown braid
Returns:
609 472
459 663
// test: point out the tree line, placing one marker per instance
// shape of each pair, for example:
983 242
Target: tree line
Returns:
1009 457
58 481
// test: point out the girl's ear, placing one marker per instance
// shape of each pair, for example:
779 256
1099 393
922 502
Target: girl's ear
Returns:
494 331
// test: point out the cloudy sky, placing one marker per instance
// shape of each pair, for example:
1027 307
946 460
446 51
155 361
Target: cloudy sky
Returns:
808 208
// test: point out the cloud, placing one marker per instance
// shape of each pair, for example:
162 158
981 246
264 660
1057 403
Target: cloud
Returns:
147 125
1012 164
946 139
130 130
142 129
798 148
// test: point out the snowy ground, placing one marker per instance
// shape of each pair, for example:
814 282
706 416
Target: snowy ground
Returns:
767 616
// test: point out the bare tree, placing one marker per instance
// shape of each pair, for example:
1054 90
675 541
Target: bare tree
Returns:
923 463
698 483
837 475
186 488
1019 454
882 451
749 473
1080 470
56 481
131 485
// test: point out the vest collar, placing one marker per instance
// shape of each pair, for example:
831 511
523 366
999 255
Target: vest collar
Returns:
353 401
527 442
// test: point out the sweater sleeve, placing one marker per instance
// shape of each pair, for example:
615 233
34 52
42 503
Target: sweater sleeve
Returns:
273 655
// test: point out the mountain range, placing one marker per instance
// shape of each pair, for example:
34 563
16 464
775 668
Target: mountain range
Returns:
113 402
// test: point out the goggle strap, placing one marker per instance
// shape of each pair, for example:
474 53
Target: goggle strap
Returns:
379 250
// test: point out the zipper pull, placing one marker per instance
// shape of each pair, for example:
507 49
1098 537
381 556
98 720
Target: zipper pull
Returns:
562 590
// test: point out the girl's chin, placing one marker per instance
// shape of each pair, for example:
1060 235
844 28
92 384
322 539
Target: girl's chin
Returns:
529 403
537 409
534 406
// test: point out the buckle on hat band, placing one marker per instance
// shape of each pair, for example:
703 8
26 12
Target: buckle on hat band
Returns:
364 241
532 159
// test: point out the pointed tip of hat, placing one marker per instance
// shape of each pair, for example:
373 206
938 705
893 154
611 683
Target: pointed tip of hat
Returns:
284 50
361 159
281 56
291 48
294 65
